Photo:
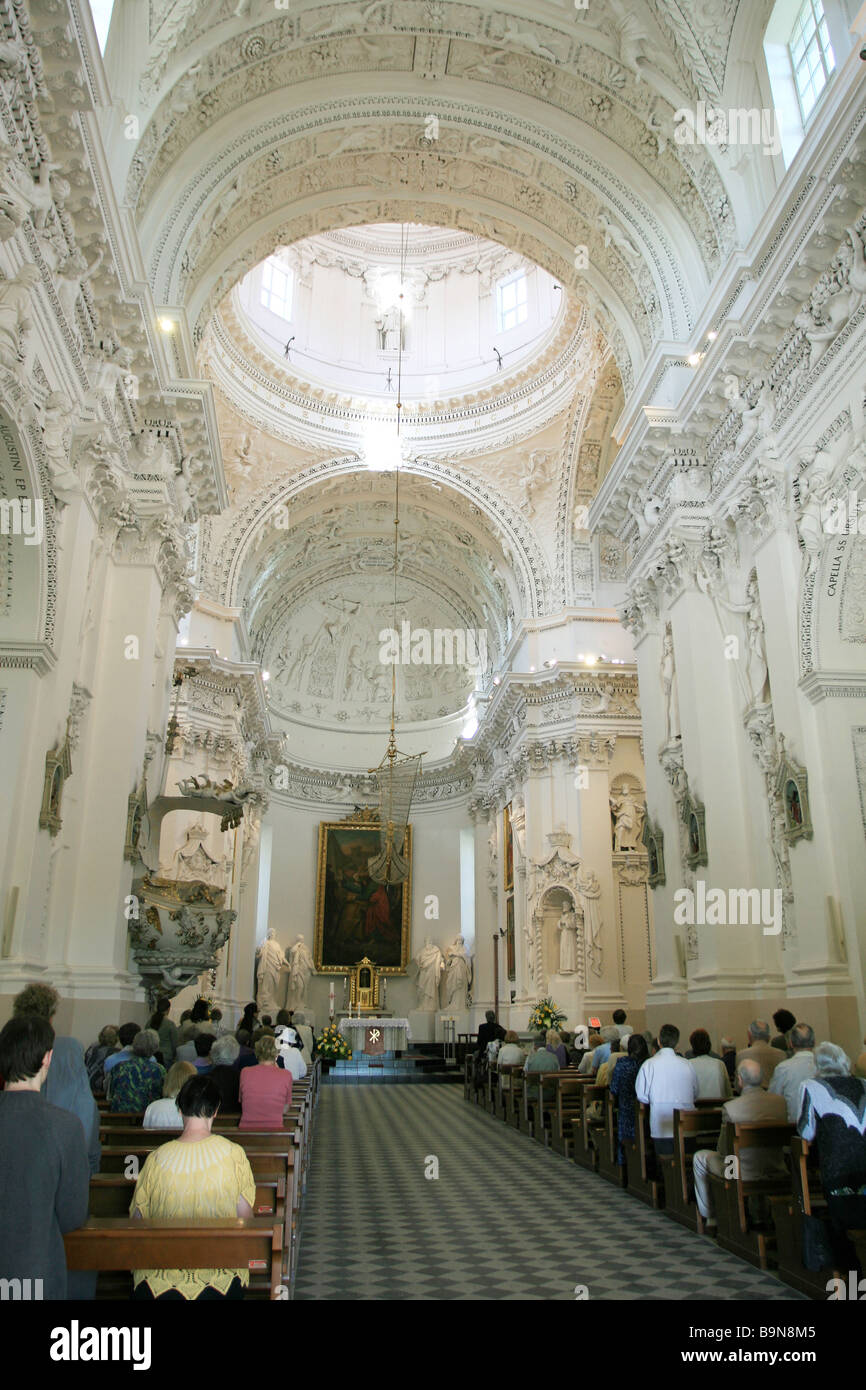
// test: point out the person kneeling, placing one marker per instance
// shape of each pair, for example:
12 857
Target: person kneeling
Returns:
197 1176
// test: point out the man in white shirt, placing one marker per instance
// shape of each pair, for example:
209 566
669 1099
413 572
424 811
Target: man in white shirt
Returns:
788 1078
666 1083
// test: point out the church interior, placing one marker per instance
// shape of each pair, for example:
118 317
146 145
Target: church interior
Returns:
433 541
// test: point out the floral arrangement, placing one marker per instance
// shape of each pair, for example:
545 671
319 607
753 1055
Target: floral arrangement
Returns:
546 1015
332 1044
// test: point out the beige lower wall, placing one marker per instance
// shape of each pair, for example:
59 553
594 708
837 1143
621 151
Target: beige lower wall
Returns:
833 1017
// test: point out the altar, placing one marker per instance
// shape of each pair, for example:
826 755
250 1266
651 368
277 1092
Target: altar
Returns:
396 1032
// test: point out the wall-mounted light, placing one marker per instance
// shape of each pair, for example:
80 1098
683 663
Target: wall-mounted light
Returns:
695 359
166 325
266 675
712 336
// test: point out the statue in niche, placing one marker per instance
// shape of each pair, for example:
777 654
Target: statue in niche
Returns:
389 331
301 967
628 820
268 971
567 930
458 974
589 892
430 963
16 324
814 489
70 277
669 685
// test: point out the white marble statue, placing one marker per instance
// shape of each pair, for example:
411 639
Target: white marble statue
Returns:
458 974
589 891
614 235
430 963
16 324
628 820
268 970
669 684
567 930
301 967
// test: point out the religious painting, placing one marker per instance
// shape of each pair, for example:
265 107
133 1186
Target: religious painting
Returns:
792 789
508 849
356 917
510 953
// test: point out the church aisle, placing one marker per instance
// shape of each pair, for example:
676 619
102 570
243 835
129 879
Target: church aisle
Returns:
505 1219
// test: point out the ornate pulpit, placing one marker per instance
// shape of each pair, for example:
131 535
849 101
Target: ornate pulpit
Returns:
364 987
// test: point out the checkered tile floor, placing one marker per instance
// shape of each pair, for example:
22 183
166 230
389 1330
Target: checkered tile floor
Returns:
506 1219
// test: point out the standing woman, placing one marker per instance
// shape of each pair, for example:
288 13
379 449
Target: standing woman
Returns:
162 1024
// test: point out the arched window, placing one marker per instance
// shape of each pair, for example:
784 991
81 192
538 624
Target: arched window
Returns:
276 288
512 302
804 43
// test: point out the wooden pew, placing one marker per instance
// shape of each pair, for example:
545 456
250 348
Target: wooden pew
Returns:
606 1142
468 1065
514 1097
693 1130
644 1177
789 1212
568 1108
111 1194
276 1147
584 1152
752 1238
121 1243
504 1078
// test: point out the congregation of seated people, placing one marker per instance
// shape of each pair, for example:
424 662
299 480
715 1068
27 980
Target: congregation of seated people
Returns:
173 1076
779 1077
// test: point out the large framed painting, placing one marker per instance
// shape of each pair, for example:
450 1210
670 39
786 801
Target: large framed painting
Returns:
510 952
355 916
507 850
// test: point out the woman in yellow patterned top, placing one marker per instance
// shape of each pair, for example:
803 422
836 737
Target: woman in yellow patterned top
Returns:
199 1175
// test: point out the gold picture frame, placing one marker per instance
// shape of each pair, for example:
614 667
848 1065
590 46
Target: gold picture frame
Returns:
355 916
507 850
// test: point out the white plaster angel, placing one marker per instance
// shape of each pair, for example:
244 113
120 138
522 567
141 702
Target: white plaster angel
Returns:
615 236
58 415
16 323
669 686
814 489
757 650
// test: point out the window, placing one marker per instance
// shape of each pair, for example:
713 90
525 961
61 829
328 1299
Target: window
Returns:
811 54
276 290
512 307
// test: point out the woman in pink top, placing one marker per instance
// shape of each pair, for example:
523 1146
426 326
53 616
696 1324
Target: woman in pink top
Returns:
265 1090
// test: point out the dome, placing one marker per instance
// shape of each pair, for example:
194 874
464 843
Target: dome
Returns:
330 306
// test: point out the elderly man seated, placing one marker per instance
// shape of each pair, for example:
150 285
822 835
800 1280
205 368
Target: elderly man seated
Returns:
789 1077
760 1051
752 1104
